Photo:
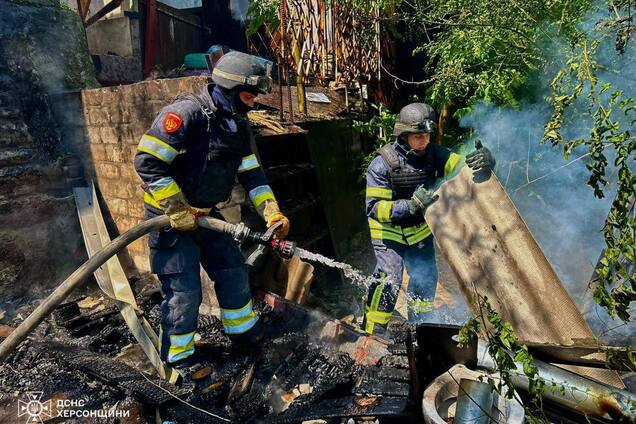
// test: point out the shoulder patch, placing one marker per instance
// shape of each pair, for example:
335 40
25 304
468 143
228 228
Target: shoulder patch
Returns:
172 122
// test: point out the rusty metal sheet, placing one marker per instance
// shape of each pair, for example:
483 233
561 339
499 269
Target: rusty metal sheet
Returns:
491 252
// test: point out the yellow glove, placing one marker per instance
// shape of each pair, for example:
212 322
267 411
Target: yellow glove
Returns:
273 215
182 215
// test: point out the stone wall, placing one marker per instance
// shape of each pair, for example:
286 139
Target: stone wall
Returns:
115 118
42 51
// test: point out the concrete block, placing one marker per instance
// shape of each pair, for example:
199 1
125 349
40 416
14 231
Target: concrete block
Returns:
139 126
142 262
125 116
125 223
93 133
91 98
132 94
126 135
97 116
139 246
128 173
114 112
107 170
110 134
116 154
116 188
109 97
132 152
155 90
116 206
98 152
136 209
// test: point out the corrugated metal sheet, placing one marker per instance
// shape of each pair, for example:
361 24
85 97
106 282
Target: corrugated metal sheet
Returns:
491 252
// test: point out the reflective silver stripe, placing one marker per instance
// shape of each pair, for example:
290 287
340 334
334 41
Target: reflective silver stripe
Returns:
158 148
248 162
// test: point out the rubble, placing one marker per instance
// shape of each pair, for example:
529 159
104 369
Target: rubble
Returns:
292 373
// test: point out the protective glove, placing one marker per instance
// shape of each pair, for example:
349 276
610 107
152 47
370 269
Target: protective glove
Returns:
182 215
480 159
272 215
422 198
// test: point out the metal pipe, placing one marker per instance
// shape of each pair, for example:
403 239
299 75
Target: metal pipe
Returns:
45 308
474 402
569 389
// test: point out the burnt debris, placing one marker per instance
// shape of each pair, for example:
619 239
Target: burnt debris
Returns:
292 373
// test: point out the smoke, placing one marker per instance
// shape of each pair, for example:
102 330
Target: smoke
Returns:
239 9
551 192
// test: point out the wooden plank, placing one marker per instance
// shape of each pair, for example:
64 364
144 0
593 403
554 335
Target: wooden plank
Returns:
112 279
109 7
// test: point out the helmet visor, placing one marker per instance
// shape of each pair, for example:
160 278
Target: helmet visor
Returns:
261 83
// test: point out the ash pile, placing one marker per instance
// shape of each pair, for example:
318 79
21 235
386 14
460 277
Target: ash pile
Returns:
305 366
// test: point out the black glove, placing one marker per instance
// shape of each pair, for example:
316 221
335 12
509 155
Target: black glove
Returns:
480 159
422 198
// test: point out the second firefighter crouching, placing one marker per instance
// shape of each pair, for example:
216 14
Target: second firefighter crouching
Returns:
400 184
188 160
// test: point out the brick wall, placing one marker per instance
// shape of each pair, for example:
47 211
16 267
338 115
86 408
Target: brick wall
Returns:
115 118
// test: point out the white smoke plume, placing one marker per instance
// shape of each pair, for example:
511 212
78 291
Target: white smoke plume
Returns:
550 191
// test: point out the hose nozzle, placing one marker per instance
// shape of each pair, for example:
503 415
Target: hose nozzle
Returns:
284 248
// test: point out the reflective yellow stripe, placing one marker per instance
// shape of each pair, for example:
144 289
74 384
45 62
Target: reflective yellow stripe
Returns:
240 325
151 201
260 194
248 162
181 346
421 305
167 191
379 235
451 163
237 321
384 210
407 235
416 233
375 225
158 148
381 231
378 317
237 313
377 294
380 193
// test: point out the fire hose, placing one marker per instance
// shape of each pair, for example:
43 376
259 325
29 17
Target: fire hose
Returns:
239 232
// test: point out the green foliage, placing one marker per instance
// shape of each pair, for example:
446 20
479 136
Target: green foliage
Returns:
485 49
262 13
506 350
579 92
379 128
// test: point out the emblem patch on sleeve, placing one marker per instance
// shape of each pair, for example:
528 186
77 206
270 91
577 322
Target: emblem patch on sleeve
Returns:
172 122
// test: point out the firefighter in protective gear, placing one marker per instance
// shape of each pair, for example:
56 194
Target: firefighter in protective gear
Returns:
188 160
400 181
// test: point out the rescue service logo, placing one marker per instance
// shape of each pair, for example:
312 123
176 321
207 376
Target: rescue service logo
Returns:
34 408
172 122
37 411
